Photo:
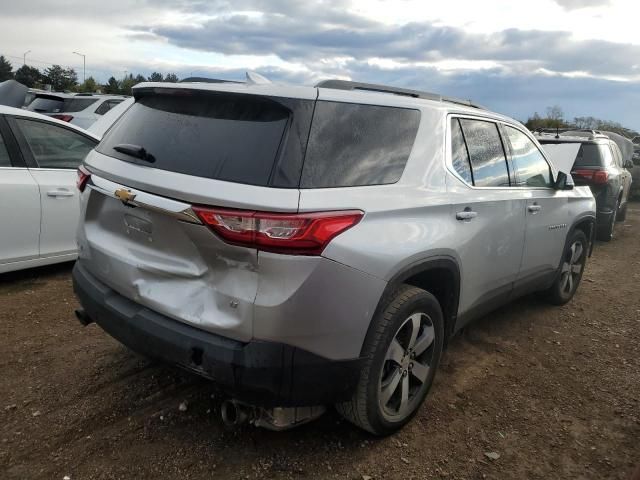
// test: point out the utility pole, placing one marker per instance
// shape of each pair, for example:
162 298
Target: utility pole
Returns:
24 57
84 66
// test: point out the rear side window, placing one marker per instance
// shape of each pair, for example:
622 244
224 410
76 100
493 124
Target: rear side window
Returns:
46 105
355 145
488 160
229 137
531 167
593 155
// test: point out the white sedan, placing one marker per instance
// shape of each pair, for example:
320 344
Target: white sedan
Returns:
39 206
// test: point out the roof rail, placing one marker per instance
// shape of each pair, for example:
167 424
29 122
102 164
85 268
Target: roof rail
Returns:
568 130
372 87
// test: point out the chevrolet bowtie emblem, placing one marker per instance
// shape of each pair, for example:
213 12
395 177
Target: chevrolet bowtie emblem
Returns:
124 195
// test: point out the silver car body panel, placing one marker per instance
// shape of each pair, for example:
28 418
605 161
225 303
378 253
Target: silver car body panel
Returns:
150 254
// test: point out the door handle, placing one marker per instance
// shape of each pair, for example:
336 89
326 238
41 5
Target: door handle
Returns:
60 193
535 208
467 214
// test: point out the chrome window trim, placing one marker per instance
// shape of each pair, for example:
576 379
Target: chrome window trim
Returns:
448 153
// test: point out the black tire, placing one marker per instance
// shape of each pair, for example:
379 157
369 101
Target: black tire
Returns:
606 234
559 294
405 305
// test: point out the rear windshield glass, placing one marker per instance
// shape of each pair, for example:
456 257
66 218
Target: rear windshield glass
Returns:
592 155
220 136
57 105
353 145
46 105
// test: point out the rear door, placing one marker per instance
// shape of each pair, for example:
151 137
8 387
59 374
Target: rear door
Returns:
487 211
547 212
19 204
54 153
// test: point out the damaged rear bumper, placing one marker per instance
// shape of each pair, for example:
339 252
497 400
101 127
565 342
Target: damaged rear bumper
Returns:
258 372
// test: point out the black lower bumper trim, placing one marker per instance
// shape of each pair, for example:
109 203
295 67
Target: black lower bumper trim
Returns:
259 373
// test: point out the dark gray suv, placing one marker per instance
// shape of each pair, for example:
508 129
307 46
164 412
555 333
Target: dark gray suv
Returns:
599 164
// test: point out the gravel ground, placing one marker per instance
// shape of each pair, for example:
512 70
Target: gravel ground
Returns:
530 391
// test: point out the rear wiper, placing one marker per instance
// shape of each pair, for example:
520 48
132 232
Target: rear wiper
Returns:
135 151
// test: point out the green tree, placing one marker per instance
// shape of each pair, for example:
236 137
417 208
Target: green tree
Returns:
60 78
126 84
112 86
28 76
171 77
139 79
6 71
156 77
89 86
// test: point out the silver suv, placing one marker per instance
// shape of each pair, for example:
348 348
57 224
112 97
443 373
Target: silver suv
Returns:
310 246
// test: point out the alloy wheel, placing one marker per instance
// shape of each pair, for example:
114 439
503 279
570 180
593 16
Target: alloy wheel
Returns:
571 268
406 367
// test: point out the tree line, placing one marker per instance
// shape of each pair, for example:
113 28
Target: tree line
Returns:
555 119
66 79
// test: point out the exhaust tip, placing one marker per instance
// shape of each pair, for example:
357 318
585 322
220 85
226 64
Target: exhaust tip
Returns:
233 415
83 318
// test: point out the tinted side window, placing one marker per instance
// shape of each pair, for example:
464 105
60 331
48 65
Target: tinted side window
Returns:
103 108
459 154
352 145
531 167
5 161
53 146
488 161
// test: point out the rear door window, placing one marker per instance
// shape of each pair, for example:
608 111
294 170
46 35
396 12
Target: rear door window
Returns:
486 152
356 145
231 137
531 167
52 146
459 153
5 160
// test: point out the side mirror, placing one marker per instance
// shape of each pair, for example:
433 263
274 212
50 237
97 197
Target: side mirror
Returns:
628 164
564 181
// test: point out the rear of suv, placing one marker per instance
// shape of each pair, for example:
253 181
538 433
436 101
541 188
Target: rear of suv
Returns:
599 164
309 246
81 109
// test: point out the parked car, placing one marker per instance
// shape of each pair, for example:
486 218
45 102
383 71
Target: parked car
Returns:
105 122
599 164
307 246
81 109
635 173
39 205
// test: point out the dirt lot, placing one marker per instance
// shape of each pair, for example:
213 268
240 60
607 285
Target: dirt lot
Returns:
554 391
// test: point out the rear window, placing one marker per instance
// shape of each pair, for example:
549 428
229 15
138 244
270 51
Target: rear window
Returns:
354 145
231 137
58 104
46 105
592 155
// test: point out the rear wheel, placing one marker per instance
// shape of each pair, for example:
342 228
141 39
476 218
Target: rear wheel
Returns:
402 352
571 269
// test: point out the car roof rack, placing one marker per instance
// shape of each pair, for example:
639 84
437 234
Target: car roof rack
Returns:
557 132
372 87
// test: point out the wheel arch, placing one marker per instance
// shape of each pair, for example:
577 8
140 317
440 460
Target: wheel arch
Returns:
438 275
586 223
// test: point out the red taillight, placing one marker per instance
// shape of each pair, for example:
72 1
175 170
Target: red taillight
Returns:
598 177
64 118
297 234
83 177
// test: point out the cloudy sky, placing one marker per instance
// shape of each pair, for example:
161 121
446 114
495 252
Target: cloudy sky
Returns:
583 55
